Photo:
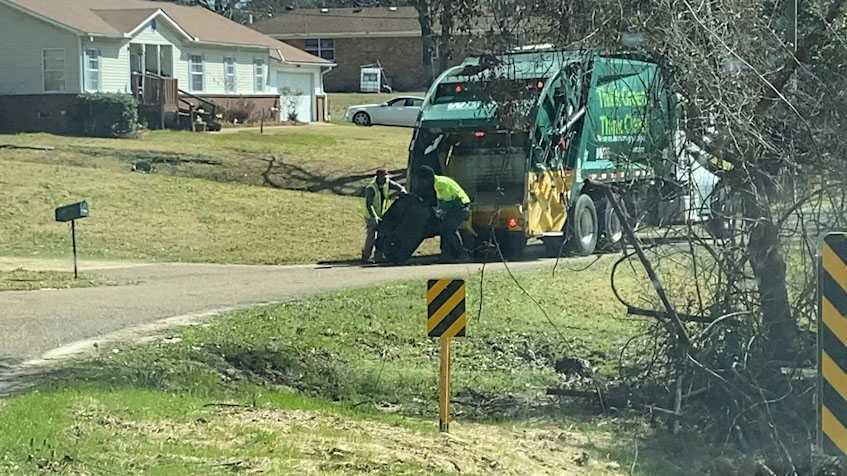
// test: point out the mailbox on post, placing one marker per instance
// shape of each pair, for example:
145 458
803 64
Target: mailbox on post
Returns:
72 213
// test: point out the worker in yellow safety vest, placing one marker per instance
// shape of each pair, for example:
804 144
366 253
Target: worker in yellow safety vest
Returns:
453 208
378 197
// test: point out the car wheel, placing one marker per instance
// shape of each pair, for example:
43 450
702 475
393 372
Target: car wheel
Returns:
584 226
362 119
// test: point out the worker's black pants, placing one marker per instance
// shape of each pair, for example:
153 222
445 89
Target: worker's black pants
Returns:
451 239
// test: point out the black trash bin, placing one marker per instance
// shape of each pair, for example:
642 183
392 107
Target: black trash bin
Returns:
403 228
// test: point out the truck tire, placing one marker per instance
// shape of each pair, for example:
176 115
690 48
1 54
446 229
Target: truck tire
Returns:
584 226
612 230
512 243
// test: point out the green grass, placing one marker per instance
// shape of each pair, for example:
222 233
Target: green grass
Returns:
346 384
212 198
23 280
160 218
321 158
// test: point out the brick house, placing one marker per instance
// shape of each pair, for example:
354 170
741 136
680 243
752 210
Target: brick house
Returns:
353 37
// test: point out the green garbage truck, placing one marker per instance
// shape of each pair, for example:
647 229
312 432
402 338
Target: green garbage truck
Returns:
521 132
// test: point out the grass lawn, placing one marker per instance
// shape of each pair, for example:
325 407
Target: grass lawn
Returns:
223 198
346 384
23 280
162 218
335 159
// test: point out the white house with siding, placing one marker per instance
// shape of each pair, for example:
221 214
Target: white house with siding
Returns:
53 50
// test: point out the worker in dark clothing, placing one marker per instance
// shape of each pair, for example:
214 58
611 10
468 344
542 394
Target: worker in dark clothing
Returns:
378 197
451 211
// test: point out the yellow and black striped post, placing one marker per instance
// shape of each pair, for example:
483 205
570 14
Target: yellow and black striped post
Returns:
832 345
445 301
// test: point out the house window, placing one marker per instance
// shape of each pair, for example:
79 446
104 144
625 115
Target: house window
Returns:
53 68
322 48
229 75
196 72
259 65
92 70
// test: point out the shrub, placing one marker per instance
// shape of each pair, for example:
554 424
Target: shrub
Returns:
292 114
291 102
240 112
108 114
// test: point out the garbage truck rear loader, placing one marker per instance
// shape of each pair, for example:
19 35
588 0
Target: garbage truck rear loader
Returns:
610 119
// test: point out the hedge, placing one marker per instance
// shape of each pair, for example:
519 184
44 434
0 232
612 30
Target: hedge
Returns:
108 114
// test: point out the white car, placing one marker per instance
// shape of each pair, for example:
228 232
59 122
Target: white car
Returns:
400 111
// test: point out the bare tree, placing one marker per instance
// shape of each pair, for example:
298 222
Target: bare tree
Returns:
763 107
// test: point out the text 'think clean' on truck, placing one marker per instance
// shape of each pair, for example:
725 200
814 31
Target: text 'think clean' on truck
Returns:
521 132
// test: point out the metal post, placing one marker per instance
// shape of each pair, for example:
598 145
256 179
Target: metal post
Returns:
73 241
444 387
796 25
262 123
161 103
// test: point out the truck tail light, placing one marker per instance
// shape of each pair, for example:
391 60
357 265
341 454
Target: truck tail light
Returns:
479 134
512 223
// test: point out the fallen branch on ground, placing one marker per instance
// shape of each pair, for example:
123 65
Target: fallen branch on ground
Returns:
27 147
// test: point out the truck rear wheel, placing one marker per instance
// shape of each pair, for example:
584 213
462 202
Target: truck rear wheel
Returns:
612 229
584 226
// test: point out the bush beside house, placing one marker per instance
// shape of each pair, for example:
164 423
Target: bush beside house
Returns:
108 114
239 112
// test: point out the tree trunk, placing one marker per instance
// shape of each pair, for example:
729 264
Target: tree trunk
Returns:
445 39
427 41
769 269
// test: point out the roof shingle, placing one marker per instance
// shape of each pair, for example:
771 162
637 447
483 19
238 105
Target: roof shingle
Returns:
342 22
115 18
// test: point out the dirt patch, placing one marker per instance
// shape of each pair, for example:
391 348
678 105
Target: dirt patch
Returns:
339 444
316 442
154 158
206 435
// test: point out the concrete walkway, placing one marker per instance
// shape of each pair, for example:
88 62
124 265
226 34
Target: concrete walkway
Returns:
33 323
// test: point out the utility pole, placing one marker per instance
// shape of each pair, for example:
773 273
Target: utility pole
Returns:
791 13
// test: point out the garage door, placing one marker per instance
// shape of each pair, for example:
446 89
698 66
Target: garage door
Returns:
296 95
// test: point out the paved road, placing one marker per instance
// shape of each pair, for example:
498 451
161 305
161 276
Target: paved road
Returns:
33 323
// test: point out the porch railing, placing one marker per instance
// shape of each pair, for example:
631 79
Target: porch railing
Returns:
151 90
